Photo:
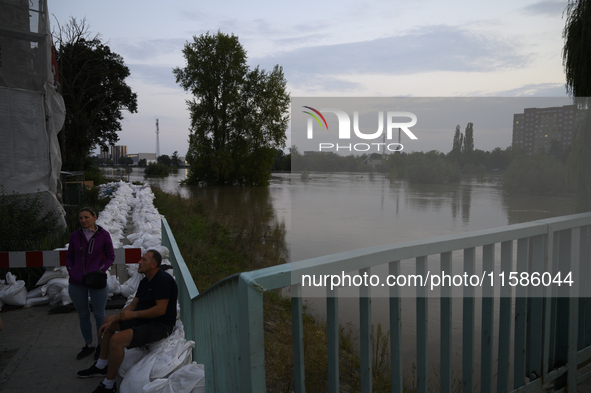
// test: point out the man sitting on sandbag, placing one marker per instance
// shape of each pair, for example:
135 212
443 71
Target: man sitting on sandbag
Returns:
150 317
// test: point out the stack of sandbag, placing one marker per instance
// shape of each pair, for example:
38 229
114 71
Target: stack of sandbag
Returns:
51 288
114 216
165 366
13 292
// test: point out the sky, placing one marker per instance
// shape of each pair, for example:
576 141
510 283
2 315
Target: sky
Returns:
423 48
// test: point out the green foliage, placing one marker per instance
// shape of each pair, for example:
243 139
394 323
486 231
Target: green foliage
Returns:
94 174
157 169
26 226
536 174
429 168
164 160
126 161
92 79
174 160
142 163
238 115
468 147
576 53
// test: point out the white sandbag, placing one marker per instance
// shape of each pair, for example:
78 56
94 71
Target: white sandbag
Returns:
132 356
51 273
169 359
14 293
138 375
65 297
37 301
129 287
37 292
163 251
187 379
114 286
54 289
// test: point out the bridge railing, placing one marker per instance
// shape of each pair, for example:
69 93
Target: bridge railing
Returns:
543 336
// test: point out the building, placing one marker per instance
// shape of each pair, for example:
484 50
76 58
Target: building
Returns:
149 157
105 154
535 128
118 152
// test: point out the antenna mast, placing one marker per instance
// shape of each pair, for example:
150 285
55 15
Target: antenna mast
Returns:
157 140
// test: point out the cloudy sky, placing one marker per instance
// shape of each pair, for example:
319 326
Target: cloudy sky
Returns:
424 48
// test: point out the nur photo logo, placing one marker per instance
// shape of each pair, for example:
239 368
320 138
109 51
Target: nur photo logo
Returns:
392 120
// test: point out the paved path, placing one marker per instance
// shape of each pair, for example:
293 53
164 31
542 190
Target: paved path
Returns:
38 352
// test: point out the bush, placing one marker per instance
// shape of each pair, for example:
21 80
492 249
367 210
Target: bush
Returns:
429 168
536 175
157 169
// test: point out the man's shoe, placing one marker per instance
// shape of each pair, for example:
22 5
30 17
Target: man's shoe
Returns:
86 350
97 353
102 389
92 371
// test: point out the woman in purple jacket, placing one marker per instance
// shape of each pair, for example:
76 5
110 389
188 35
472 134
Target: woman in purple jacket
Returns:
90 249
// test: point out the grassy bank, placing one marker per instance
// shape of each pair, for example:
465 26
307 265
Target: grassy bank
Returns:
216 245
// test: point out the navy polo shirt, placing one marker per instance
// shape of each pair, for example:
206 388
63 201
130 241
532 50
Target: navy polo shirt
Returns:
162 286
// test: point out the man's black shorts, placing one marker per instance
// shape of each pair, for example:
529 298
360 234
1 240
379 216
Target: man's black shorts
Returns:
145 331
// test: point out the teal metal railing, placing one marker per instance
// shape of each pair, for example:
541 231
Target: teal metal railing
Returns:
543 336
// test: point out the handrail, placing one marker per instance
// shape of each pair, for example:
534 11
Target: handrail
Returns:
227 318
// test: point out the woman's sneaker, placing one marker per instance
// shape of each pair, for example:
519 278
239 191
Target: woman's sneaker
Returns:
92 371
86 350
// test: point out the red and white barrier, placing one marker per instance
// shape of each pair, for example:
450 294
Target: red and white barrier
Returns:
58 258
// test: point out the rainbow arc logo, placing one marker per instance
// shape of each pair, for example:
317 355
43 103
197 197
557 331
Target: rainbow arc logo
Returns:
317 119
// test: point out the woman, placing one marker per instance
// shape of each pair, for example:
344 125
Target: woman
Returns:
90 249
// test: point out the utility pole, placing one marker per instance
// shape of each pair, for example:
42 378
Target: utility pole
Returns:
157 141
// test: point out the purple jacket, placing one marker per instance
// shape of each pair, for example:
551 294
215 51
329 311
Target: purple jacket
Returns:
97 254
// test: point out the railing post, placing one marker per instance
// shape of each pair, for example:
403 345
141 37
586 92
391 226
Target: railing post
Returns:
468 325
365 335
422 329
297 326
395 332
252 341
332 333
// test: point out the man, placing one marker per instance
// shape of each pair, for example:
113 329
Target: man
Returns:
150 317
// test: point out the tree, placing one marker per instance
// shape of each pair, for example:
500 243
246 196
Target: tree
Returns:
175 161
456 150
577 66
93 85
164 159
469 140
238 116
142 163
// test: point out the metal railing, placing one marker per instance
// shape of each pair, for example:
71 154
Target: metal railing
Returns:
543 336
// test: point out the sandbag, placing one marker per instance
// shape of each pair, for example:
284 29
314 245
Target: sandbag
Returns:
51 273
132 356
187 379
37 301
14 293
113 283
129 287
54 289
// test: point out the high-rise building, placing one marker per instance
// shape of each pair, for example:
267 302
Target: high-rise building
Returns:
105 154
535 128
118 152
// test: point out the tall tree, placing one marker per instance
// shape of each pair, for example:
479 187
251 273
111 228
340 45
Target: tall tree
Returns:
456 149
469 140
238 116
92 79
577 66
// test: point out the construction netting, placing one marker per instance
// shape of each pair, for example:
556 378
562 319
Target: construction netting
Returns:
32 111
